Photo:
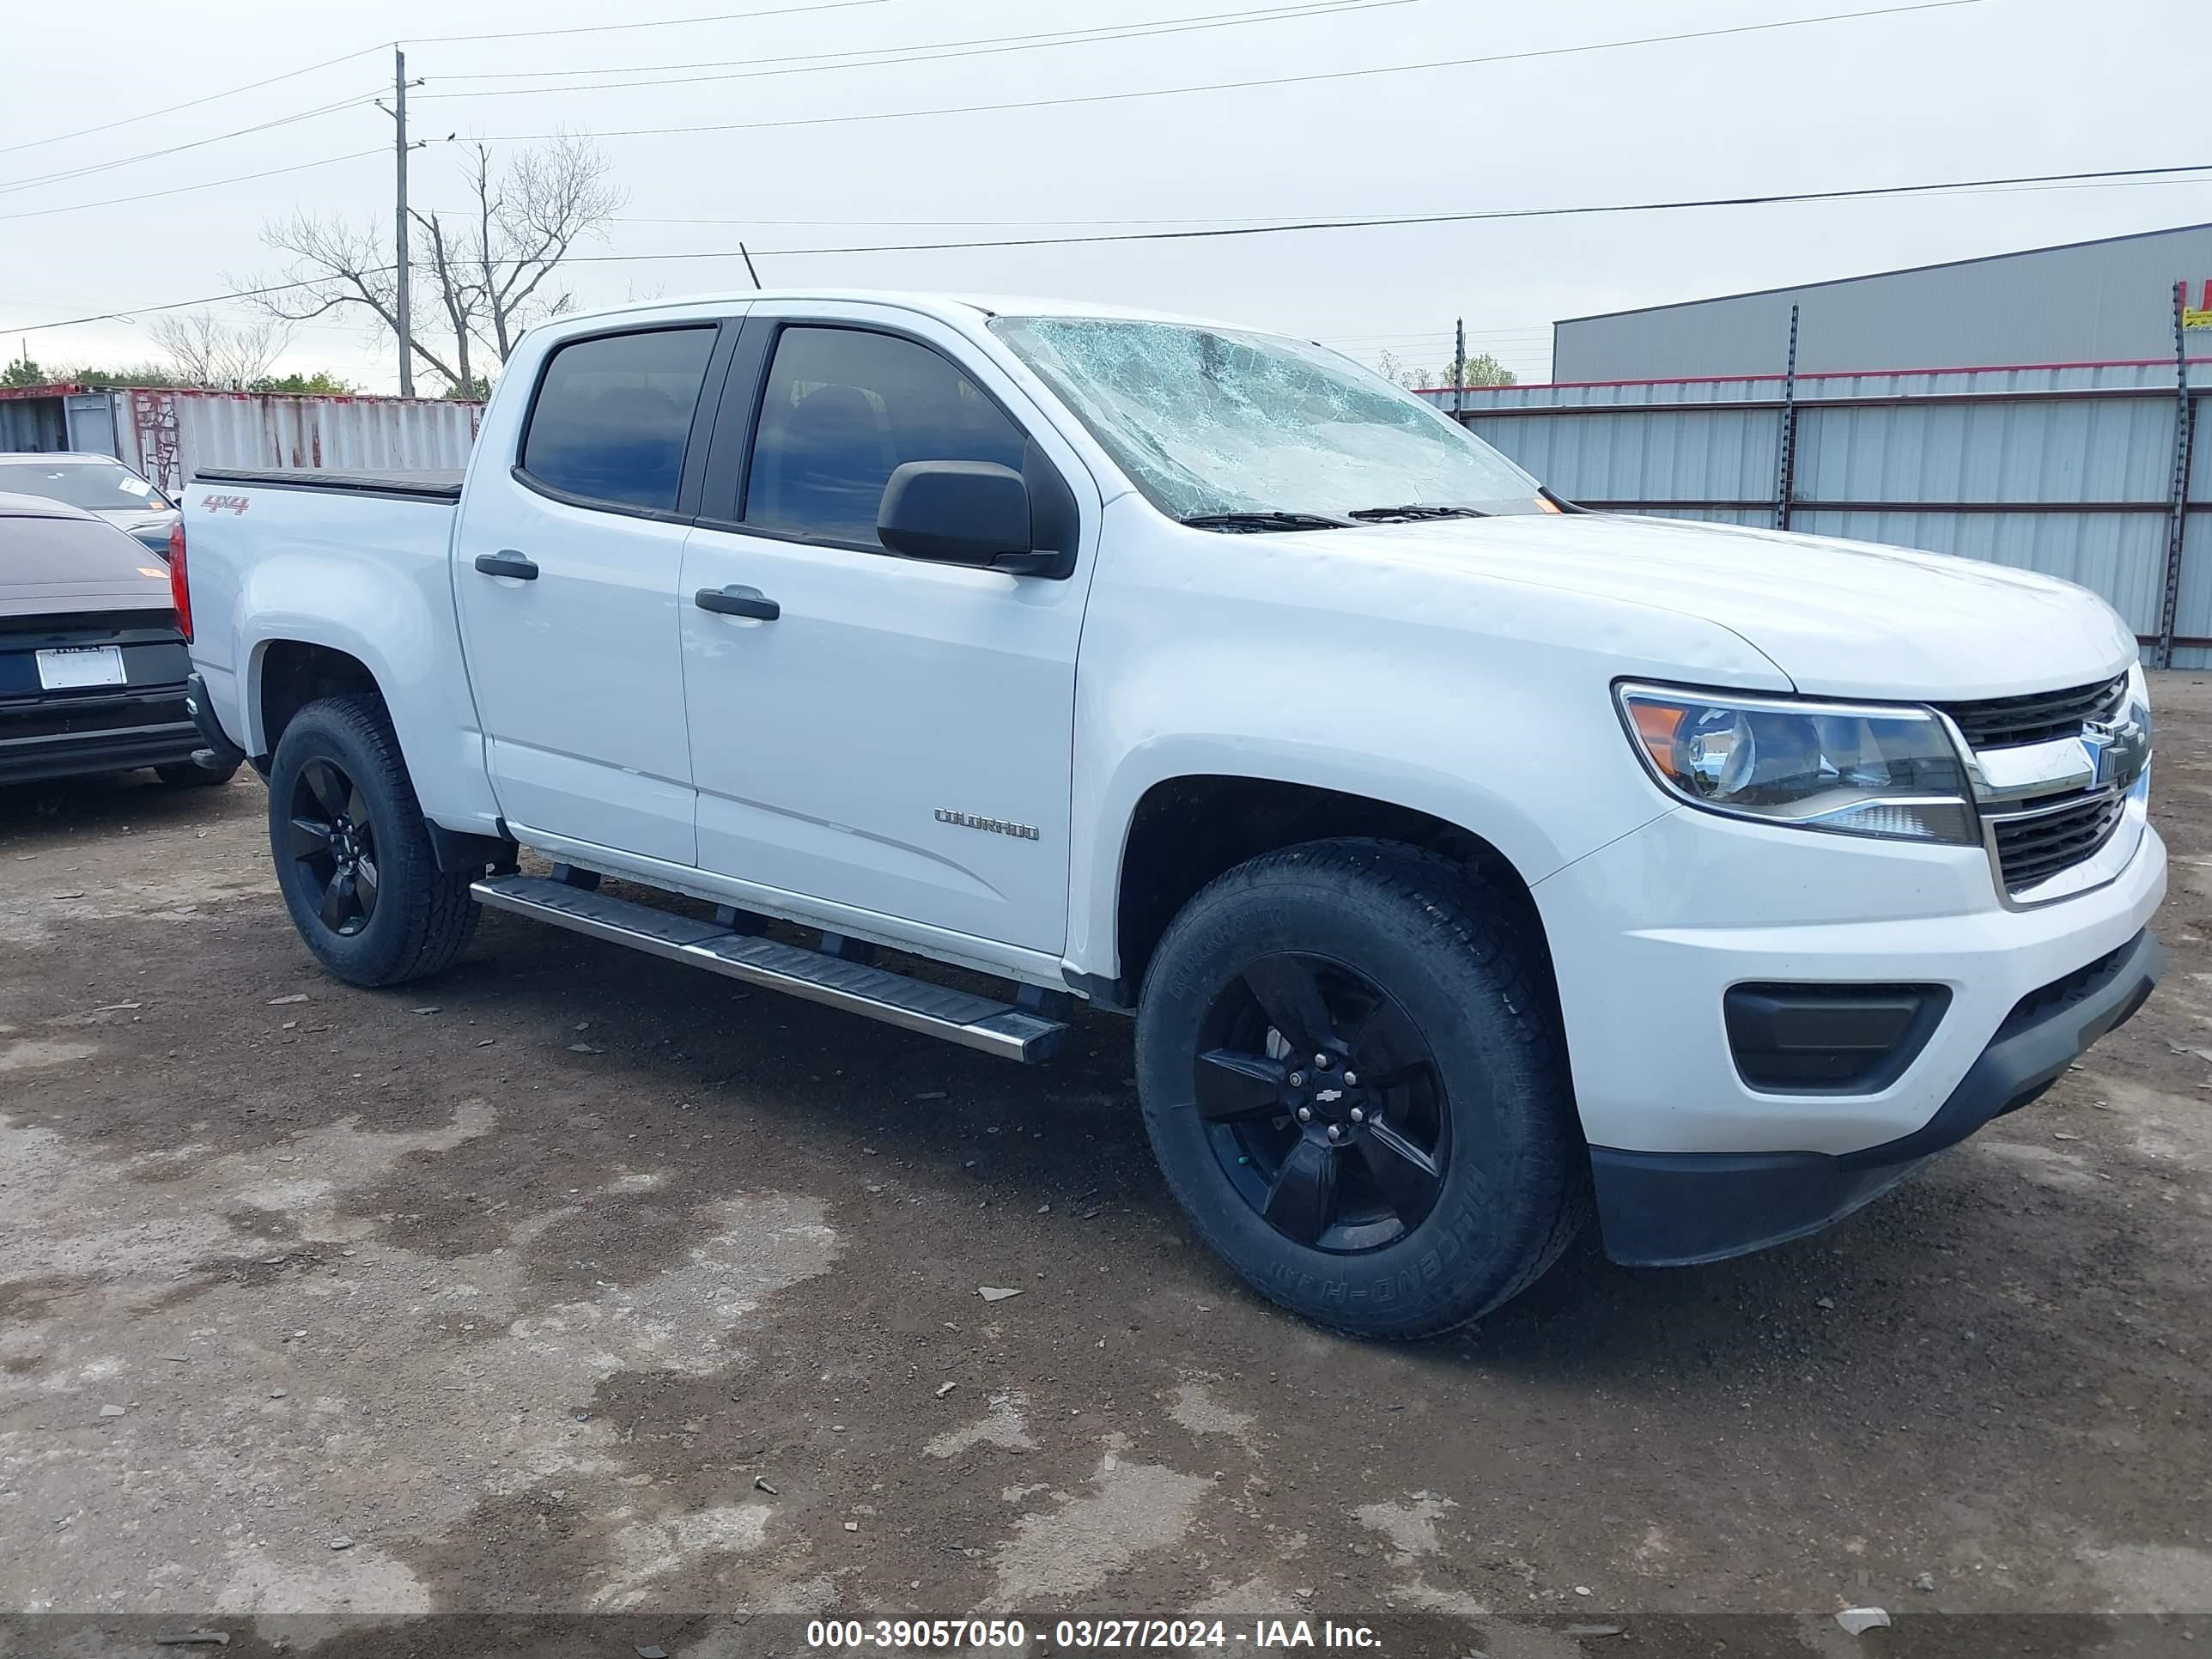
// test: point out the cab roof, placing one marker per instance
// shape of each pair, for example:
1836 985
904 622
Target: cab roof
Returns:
961 308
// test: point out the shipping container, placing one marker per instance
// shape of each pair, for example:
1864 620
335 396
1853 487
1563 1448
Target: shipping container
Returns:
168 432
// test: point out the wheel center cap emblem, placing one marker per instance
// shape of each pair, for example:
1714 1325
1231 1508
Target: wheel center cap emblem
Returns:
1327 1095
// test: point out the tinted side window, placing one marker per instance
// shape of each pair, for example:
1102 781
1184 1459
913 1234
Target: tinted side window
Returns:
613 415
842 408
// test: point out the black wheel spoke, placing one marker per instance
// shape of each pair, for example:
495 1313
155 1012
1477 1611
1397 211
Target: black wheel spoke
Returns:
1392 1079
339 902
1233 1084
1291 998
364 886
328 786
1302 1201
1408 1177
307 838
1380 1046
358 808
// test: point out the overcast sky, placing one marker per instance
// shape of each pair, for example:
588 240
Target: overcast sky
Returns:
1998 87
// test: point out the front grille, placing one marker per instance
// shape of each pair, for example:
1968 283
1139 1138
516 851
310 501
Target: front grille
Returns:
2000 722
2034 848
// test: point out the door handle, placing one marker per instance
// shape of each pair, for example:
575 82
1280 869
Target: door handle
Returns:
507 562
737 602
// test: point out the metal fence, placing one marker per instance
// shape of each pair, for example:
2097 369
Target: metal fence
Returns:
2088 471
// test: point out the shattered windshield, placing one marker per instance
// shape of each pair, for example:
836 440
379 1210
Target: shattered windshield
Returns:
1219 424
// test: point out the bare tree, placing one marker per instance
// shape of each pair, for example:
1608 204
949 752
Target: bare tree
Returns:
229 356
492 270
336 267
461 299
527 217
1391 367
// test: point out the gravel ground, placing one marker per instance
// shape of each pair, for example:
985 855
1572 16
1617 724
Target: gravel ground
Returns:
573 1281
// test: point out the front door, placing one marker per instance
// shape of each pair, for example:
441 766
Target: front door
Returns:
566 568
897 737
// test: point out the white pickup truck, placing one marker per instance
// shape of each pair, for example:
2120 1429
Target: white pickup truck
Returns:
1468 860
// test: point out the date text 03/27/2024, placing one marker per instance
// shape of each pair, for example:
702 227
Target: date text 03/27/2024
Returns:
1126 1634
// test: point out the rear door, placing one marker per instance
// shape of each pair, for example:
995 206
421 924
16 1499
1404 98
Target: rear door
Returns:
898 738
566 558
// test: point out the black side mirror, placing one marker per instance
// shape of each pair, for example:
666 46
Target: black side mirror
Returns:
973 513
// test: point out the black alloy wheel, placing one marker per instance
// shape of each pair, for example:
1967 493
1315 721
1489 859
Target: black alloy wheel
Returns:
1349 1061
354 854
332 843
1323 1103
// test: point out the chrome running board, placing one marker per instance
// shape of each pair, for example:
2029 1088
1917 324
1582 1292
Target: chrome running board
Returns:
914 1005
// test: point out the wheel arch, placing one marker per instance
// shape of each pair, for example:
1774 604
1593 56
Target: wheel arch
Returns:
1186 830
285 675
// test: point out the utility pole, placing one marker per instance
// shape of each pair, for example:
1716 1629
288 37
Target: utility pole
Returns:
1458 373
405 305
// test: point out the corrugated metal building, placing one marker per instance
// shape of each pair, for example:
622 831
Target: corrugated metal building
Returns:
2086 302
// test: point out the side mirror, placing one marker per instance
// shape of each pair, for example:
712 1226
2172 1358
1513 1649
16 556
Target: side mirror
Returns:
972 512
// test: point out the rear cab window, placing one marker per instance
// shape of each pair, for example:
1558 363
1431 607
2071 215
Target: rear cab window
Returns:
613 417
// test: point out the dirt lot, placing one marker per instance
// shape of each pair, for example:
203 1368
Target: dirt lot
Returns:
577 1281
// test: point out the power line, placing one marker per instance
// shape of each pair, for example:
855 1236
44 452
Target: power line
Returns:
178 149
1472 217
887 57
966 224
1861 193
1312 7
172 109
1270 81
181 189
657 23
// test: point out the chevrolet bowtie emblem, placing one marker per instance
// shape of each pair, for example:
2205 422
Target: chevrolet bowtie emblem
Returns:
2117 748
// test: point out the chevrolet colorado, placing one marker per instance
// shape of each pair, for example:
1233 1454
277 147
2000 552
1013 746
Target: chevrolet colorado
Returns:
1468 861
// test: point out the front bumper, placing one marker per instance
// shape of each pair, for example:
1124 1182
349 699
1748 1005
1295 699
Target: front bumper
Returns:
1649 935
1674 1209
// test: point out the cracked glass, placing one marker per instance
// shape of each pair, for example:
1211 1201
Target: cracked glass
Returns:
1216 421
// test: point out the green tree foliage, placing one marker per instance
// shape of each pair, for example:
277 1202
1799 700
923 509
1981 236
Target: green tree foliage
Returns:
322 383
24 372
1484 370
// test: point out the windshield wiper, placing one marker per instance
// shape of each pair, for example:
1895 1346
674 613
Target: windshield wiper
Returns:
1249 523
1415 514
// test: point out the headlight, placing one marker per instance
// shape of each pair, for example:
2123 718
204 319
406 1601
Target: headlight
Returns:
1856 769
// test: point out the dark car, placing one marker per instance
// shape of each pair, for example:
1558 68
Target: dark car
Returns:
92 664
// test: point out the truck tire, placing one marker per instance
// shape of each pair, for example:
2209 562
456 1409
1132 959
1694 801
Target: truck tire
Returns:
190 774
353 852
1353 1078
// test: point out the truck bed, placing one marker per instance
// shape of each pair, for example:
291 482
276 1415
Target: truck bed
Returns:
407 483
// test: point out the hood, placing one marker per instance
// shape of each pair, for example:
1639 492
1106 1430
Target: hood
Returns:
1849 619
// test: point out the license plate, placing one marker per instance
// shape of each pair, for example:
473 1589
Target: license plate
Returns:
72 667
